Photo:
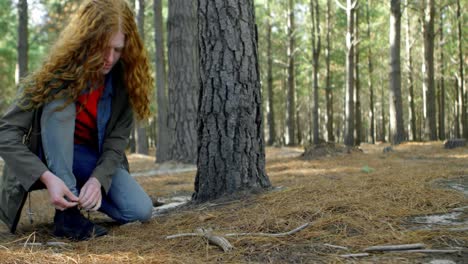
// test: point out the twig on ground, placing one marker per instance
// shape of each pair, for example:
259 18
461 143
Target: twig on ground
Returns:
335 246
207 233
295 230
394 247
49 243
223 243
435 251
357 255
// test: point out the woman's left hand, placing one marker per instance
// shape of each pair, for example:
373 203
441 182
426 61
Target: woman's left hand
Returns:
90 195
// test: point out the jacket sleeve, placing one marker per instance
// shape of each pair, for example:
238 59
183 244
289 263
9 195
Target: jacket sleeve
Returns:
113 149
15 127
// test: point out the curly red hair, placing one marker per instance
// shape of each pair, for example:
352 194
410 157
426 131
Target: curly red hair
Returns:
77 57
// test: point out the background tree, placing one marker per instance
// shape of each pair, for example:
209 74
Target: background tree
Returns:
357 83
349 108
369 82
183 80
163 136
428 70
397 133
291 124
461 80
23 47
410 82
316 46
141 139
270 102
328 88
231 155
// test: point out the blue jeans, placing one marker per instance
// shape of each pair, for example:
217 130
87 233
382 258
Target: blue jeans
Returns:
125 202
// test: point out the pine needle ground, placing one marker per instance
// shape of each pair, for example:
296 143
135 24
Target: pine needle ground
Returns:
354 200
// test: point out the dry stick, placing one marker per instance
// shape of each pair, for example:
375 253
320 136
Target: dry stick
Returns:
295 230
335 246
357 255
224 244
216 240
435 251
395 247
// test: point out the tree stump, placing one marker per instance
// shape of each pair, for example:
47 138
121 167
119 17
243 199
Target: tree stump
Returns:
454 143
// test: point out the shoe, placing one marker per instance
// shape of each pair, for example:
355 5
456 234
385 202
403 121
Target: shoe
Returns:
70 223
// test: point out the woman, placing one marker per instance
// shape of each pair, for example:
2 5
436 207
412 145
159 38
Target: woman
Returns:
69 129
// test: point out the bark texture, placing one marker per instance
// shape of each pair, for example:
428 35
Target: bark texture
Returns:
231 151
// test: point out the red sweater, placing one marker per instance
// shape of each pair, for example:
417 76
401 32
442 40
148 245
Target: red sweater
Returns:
86 118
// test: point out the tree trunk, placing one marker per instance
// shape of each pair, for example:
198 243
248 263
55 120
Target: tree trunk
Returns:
370 84
409 65
383 131
461 80
428 71
441 90
22 66
271 109
163 136
316 45
231 151
397 132
183 80
357 83
328 88
141 139
291 77
349 110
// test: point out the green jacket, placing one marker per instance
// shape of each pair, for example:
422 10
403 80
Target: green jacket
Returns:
20 143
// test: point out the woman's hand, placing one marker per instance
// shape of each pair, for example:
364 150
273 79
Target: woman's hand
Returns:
58 191
90 195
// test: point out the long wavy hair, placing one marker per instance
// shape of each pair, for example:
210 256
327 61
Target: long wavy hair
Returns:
77 57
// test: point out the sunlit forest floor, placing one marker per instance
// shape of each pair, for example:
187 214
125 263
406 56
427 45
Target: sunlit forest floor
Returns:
413 193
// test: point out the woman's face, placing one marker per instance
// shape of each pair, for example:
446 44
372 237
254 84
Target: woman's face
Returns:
113 52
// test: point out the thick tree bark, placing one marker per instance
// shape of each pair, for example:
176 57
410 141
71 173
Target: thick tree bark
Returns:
316 46
291 123
163 137
428 71
357 84
23 46
183 80
397 132
328 88
409 68
271 108
141 138
231 151
370 83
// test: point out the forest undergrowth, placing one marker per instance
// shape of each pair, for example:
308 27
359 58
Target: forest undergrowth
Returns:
351 200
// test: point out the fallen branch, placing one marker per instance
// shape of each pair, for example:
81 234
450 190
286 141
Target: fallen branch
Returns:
435 251
223 243
50 244
395 247
295 230
207 233
357 255
335 246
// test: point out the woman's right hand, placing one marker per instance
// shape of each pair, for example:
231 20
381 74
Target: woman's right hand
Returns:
58 191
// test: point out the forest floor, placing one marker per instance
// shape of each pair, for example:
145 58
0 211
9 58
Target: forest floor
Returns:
414 193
